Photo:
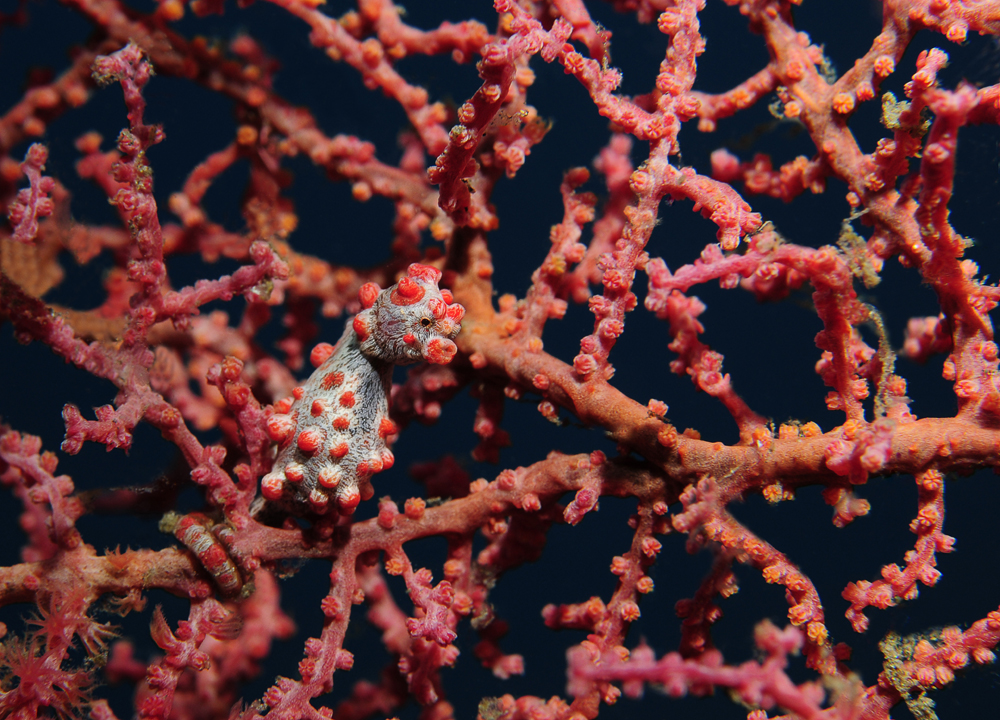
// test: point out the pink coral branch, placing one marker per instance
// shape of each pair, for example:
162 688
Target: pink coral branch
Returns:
33 202
920 563
759 684
369 59
31 473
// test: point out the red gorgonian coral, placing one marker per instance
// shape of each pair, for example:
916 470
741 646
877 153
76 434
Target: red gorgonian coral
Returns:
392 185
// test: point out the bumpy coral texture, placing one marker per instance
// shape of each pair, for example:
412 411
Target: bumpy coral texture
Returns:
333 434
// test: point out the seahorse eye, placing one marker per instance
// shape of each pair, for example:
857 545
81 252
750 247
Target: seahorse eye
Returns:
426 321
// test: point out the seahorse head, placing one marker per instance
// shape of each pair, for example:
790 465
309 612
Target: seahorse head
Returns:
411 321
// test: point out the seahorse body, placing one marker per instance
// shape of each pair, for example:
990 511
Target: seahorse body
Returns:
332 435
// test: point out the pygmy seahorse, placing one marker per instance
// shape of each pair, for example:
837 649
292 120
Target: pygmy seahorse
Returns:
332 432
